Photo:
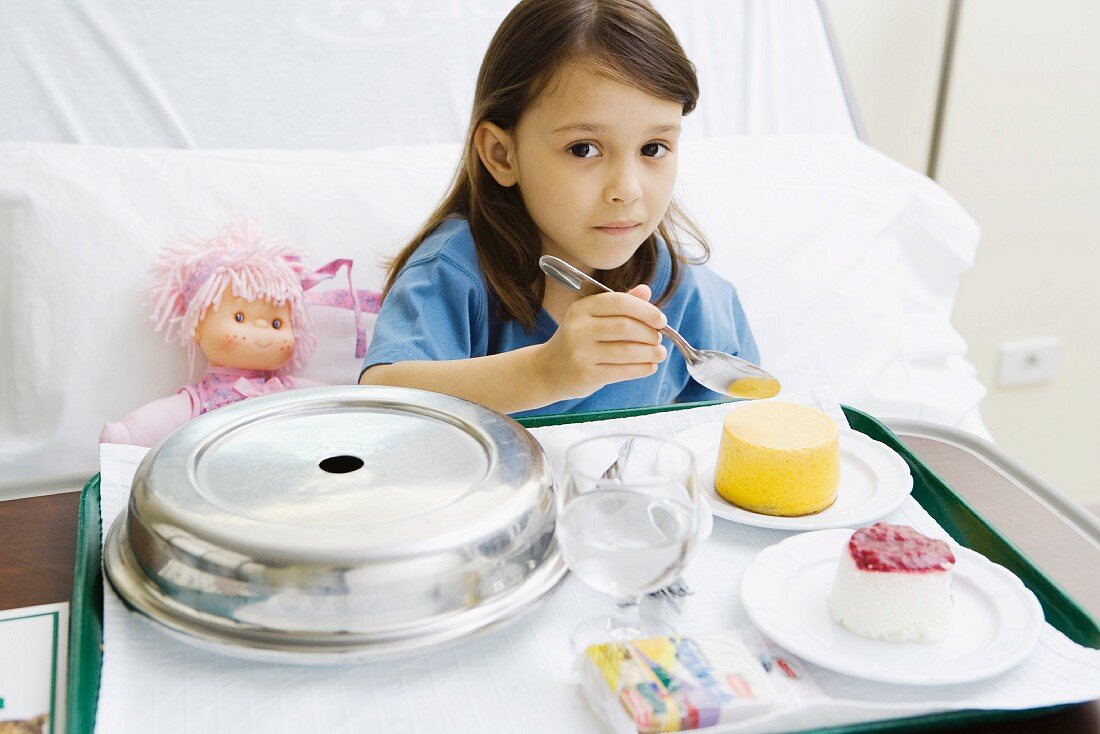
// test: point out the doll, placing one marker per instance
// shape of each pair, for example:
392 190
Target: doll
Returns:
241 300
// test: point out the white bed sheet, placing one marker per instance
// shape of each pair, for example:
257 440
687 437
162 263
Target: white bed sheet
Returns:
355 75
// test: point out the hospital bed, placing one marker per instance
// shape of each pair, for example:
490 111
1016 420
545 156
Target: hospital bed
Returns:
337 125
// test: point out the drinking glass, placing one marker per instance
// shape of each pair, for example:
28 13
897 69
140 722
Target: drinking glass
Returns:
627 522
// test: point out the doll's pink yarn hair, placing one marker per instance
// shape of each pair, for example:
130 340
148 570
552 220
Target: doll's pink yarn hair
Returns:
193 272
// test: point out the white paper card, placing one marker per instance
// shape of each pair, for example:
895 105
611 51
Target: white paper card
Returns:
34 644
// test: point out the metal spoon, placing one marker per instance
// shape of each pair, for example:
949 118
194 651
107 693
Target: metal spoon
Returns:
717 371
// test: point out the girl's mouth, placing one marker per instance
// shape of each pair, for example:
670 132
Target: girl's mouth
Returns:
619 228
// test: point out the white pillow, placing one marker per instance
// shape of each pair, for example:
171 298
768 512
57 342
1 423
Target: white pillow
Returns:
847 264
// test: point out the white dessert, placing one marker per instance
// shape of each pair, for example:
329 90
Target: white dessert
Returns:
893 584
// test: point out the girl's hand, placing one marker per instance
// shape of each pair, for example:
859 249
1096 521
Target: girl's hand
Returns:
605 338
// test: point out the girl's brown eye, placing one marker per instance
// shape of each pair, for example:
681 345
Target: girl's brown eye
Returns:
277 324
583 150
239 317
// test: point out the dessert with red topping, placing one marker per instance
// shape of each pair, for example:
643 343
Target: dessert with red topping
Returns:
893 584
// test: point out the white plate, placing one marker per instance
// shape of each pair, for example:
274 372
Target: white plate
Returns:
874 481
995 622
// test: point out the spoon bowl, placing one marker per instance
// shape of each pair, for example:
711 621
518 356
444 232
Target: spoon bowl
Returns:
723 373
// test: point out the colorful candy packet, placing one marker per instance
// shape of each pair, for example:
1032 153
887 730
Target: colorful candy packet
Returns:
688 682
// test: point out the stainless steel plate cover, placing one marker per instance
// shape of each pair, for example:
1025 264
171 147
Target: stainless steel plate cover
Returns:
337 524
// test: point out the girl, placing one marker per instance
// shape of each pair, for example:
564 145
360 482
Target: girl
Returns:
571 152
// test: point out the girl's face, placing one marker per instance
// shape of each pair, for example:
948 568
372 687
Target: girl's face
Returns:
250 335
595 162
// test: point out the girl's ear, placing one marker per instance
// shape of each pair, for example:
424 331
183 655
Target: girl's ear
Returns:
494 147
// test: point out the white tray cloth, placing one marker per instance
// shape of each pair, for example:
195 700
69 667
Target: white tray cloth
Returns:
518 679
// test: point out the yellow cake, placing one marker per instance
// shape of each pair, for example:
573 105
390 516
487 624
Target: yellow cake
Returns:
778 459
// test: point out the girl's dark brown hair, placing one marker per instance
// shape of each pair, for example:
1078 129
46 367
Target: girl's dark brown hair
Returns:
626 40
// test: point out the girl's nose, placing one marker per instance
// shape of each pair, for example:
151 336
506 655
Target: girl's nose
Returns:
261 323
624 186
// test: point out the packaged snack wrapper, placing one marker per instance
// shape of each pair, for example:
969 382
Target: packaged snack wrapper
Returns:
689 682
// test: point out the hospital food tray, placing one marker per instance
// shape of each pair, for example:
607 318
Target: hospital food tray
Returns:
949 509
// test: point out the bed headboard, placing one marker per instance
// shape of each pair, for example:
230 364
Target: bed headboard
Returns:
354 75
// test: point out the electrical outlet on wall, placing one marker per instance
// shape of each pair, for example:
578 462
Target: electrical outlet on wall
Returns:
1028 361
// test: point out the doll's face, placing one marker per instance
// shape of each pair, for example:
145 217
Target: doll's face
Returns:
251 335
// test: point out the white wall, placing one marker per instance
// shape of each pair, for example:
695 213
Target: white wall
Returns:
891 52
1021 152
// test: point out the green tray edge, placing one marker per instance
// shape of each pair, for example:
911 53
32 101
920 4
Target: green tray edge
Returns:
950 510
86 616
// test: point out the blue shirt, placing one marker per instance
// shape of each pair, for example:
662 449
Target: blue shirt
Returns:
439 309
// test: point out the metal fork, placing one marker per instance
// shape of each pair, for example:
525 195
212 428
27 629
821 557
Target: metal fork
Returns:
678 588
614 472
